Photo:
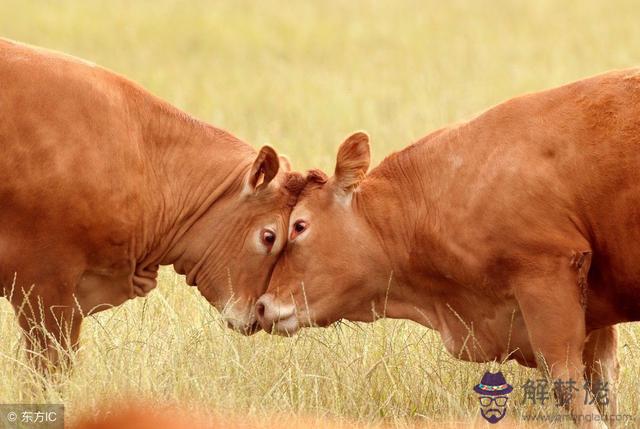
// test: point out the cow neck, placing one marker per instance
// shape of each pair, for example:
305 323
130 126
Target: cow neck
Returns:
191 166
399 200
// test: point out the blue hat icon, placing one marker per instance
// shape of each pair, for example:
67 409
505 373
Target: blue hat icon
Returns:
493 384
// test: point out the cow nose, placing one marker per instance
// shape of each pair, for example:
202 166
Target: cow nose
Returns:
270 312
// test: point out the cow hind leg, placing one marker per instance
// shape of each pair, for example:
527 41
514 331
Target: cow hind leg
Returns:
550 296
602 368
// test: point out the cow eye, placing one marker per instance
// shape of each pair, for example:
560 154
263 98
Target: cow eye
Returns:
268 238
298 228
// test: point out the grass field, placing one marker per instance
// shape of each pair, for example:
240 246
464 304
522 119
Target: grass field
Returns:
301 76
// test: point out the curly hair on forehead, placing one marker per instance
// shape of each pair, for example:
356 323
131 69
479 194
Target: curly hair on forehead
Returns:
295 183
317 176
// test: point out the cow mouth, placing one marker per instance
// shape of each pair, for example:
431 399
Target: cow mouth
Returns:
284 328
252 329
246 330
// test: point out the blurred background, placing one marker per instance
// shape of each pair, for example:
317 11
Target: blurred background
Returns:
301 76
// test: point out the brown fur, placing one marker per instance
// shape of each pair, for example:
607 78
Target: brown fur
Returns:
294 184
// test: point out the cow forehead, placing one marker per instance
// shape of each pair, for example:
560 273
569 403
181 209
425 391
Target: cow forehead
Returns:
314 202
301 211
273 198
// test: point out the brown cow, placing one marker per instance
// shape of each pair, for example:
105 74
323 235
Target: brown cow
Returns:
101 183
515 235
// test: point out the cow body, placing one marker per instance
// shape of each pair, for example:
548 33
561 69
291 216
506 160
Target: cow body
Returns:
515 234
101 182
548 176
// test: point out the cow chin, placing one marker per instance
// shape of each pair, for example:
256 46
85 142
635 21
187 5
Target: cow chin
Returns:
287 327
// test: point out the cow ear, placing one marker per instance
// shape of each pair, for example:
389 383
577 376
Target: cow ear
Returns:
352 162
285 163
264 168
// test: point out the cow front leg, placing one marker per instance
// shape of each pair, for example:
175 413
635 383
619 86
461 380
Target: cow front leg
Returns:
51 331
551 301
602 369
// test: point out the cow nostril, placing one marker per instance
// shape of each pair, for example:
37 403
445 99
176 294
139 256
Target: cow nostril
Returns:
260 310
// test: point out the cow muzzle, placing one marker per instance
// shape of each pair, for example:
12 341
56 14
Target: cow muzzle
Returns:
276 317
244 323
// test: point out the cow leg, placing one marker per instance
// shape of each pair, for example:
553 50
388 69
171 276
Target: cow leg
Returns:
51 331
602 367
551 301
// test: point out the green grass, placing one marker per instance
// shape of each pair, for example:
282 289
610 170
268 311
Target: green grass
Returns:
301 76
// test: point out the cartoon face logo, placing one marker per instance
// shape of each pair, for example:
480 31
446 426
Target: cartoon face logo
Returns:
493 390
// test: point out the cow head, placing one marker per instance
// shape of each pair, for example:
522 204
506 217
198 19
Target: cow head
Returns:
332 253
230 251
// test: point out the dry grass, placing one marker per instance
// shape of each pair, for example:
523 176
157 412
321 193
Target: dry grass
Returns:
173 348
301 76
